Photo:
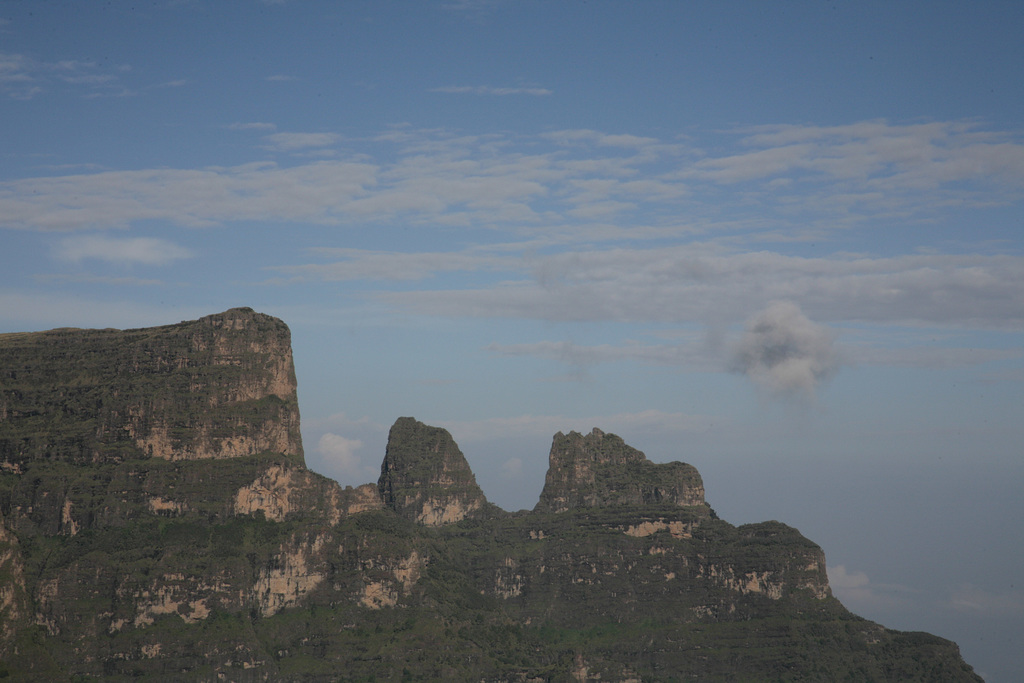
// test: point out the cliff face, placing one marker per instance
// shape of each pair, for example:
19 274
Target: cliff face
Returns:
156 520
219 387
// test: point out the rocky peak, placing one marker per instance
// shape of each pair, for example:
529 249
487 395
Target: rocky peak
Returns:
425 477
599 470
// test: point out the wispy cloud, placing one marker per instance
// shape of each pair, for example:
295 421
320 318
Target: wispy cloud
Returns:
579 183
23 77
860 594
976 601
97 279
359 264
647 422
693 355
491 90
251 125
126 251
689 283
314 193
582 205
291 142
40 311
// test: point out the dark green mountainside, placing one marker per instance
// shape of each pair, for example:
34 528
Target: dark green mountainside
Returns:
157 521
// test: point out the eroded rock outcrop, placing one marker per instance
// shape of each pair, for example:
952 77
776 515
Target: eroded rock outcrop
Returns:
425 477
599 470
286 491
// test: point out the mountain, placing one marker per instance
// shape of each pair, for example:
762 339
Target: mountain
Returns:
157 521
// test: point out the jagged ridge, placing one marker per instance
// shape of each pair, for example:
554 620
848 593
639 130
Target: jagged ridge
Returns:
218 558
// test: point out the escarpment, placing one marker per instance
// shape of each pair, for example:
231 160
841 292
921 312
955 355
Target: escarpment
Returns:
157 521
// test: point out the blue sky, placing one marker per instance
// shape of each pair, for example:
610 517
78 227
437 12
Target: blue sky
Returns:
779 241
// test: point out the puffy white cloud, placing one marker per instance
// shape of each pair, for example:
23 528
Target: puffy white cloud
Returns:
784 352
859 594
340 457
512 468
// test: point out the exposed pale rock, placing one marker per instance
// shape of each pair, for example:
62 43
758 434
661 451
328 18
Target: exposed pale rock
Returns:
385 592
292 576
13 600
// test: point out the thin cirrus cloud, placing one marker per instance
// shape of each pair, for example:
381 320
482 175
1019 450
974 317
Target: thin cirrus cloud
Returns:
859 592
291 142
126 251
545 425
359 264
491 90
251 125
872 154
23 78
690 283
314 193
692 355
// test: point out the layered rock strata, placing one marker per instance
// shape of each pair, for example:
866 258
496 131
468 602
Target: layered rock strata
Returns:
222 386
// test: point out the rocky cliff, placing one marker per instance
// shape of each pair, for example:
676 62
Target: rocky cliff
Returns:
219 387
157 521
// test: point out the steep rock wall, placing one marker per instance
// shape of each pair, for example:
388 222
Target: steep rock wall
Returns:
222 386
